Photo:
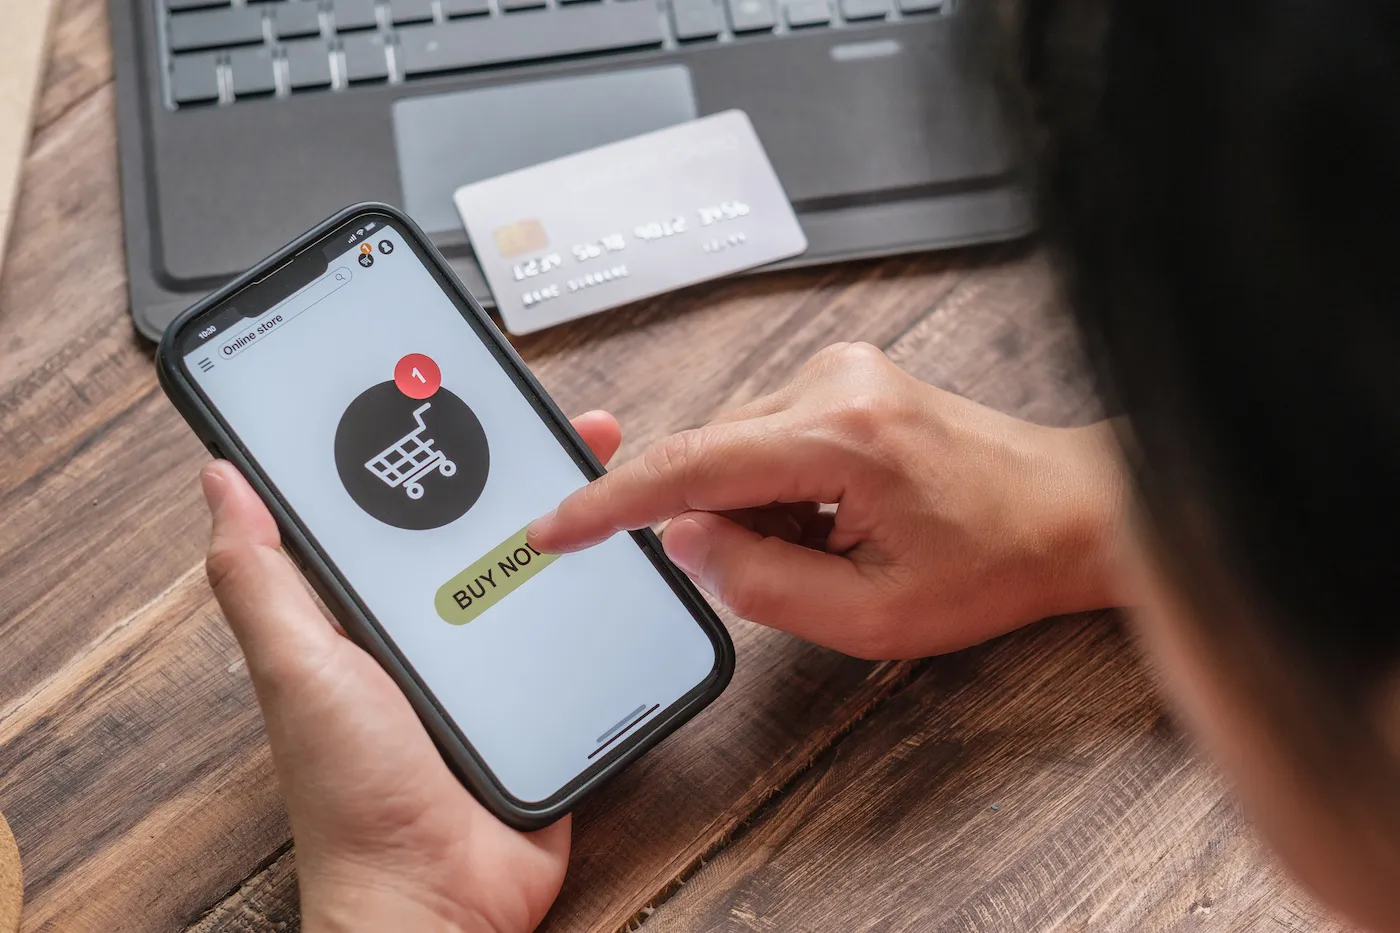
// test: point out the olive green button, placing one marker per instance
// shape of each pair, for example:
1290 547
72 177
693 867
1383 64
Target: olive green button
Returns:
490 579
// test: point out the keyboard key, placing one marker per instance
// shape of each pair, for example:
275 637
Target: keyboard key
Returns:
696 19
751 15
411 11
177 6
308 64
195 78
210 29
252 71
807 13
354 14
920 6
515 6
364 57
865 9
296 18
465 7
570 30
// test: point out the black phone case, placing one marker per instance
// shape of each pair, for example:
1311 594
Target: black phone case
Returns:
339 595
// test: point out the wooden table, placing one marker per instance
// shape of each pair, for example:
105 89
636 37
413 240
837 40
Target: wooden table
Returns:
1030 784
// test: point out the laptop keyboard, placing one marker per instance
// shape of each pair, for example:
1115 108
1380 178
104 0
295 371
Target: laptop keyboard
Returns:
224 51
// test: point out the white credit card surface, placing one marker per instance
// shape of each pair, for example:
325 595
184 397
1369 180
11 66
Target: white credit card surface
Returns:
629 220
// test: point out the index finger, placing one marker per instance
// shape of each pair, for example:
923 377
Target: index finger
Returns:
711 469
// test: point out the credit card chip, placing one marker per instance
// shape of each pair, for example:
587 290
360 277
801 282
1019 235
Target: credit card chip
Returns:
519 238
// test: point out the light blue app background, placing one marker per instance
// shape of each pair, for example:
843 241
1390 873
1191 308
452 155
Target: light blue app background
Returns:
537 680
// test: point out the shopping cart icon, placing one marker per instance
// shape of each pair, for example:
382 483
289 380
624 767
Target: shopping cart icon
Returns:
410 458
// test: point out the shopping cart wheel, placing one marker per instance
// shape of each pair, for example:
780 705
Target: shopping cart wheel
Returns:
414 490
447 468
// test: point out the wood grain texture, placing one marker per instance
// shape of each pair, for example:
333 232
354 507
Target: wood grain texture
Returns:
80 58
266 902
1030 784
138 780
98 504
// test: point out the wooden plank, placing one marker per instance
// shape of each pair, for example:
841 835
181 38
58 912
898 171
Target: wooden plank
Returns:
112 787
1032 784
998 319
268 901
66 278
98 501
80 58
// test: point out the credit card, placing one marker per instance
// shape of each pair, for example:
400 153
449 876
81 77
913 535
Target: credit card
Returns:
628 220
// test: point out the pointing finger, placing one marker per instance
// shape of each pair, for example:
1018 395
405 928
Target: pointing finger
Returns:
712 469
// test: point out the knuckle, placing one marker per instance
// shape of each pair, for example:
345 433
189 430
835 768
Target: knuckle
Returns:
231 567
746 599
753 587
674 456
224 565
829 355
854 357
841 360
866 415
745 592
584 502
861 353
867 396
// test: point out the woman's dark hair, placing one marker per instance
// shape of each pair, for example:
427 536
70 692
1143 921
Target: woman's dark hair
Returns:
1222 182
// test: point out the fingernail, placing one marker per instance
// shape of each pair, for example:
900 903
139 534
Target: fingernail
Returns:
215 488
687 543
533 532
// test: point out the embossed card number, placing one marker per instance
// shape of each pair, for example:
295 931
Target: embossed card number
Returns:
629 220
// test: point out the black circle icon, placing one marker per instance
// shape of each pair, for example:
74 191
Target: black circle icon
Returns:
411 463
366 259
386 247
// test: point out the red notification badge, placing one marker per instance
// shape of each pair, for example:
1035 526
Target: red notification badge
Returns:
417 376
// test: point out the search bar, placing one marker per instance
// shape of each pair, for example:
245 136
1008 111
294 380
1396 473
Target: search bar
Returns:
277 318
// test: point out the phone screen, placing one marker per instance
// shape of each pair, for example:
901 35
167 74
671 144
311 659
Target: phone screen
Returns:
415 460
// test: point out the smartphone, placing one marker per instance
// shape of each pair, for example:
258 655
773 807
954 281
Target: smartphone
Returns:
403 448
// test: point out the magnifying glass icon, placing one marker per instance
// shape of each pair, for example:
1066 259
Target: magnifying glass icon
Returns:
340 275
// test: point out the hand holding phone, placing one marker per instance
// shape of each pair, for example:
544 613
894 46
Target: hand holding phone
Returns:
402 448
387 838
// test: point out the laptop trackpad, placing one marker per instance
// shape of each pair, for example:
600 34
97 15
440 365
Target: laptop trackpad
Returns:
448 140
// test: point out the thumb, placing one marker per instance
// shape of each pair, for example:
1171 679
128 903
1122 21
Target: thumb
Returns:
278 625
768 580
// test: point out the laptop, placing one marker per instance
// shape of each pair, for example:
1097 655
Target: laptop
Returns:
244 122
